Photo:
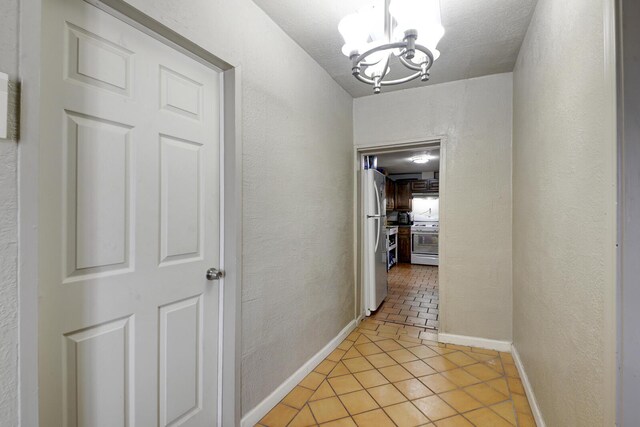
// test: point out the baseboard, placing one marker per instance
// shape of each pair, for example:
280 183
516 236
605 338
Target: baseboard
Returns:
537 414
256 414
475 342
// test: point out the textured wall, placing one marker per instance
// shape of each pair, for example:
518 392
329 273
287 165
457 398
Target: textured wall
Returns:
297 236
475 116
8 232
564 212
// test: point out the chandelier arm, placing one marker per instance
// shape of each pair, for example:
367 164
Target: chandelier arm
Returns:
379 81
369 81
400 81
408 64
364 79
387 68
415 67
396 45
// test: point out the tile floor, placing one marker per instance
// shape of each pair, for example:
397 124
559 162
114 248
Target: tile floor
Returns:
383 375
413 297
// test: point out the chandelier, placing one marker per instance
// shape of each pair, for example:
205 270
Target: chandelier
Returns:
408 30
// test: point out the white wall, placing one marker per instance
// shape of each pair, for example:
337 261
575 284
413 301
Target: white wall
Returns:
297 190
8 232
475 117
564 180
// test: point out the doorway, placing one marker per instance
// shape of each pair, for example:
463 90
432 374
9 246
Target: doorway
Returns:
411 236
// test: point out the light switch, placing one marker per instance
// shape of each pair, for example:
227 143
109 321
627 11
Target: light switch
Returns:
4 104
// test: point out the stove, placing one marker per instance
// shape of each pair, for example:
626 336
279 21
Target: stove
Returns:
425 227
424 242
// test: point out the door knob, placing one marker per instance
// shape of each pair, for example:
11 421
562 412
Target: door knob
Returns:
214 274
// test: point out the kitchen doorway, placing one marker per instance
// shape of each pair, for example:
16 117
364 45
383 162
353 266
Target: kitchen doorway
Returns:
403 230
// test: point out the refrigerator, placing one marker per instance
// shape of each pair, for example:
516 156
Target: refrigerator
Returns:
375 240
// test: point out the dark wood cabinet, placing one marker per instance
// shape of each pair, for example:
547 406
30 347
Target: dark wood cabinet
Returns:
425 186
421 185
404 244
390 194
403 196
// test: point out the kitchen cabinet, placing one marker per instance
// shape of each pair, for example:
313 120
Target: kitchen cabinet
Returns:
390 194
404 244
425 186
420 185
403 196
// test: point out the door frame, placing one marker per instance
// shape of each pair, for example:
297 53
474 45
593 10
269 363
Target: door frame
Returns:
627 47
229 344
358 244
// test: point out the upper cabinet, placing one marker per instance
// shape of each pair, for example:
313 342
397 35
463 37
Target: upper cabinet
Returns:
390 194
417 186
403 195
425 186
399 194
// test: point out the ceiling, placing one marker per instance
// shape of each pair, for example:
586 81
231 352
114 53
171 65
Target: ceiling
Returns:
398 162
481 37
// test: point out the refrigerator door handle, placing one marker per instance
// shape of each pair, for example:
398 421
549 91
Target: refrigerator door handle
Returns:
375 248
379 208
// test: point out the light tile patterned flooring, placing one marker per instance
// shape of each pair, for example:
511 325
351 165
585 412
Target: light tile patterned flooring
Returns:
382 376
412 298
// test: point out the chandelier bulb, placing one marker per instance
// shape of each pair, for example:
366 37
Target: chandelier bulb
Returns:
424 72
376 84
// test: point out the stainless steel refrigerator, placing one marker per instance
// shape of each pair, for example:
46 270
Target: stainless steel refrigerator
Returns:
375 240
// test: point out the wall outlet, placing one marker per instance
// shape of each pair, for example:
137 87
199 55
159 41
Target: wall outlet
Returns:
4 105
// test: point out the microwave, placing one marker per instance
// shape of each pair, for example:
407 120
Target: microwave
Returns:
405 218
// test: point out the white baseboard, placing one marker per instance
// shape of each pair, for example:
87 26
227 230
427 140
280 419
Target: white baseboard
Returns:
256 414
475 342
537 414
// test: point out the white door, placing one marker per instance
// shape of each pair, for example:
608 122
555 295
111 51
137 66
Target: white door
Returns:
129 224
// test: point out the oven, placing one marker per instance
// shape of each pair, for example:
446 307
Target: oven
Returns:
424 245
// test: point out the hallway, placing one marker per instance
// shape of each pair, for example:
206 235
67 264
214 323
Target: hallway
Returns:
382 376
186 230
413 297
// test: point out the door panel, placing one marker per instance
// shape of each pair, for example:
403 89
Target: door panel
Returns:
180 198
99 397
129 224
180 360
403 196
96 61
98 190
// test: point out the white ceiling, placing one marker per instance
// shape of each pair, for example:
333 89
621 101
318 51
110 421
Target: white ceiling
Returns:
481 36
398 162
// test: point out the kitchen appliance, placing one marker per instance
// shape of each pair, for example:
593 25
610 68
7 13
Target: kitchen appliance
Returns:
375 247
424 242
405 218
